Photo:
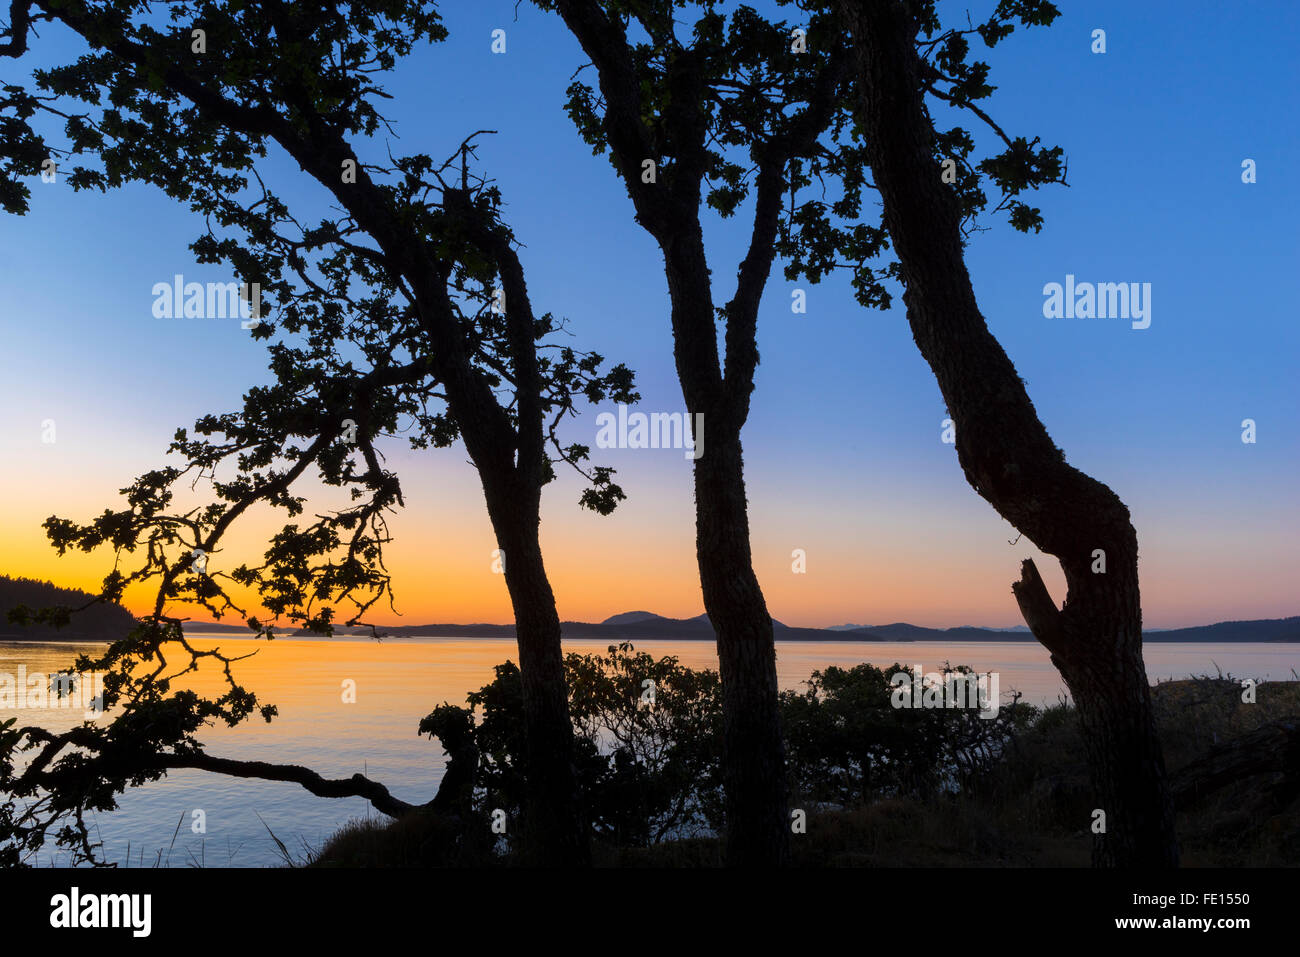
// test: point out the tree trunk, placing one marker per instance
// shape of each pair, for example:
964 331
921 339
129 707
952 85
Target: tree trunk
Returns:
553 831
754 755
753 751
1007 456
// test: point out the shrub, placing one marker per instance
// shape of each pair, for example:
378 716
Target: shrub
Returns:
849 741
648 743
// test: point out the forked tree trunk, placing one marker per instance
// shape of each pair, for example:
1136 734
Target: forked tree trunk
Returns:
753 760
754 755
1096 639
553 830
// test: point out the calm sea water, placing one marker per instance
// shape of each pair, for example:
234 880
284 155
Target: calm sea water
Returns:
400 681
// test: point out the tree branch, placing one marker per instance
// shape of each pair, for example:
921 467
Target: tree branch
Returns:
1036 605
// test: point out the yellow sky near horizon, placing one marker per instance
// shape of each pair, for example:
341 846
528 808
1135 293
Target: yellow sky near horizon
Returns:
928 556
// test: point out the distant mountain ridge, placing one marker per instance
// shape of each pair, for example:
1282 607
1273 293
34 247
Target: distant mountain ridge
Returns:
648 626
630 618
96 623
109 622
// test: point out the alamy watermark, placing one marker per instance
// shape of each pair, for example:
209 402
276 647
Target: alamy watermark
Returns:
133 912
63 691
949 689
656 430
1103 300
179 299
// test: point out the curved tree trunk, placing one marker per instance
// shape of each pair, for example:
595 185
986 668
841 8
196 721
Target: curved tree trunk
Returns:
552 832
1096 639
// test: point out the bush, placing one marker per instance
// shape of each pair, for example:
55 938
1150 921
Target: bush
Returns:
941 788
851 741
648 737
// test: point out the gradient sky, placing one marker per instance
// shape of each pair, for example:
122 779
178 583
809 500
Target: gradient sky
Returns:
843 449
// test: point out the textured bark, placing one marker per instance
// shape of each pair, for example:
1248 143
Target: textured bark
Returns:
553 832
753 749
1096 639
754 781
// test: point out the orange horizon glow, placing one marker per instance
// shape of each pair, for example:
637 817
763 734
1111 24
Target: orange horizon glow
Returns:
873 567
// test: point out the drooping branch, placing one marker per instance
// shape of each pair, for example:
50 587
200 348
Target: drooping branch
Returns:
38 774
358 785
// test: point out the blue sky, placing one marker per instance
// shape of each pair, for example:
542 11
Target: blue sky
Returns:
843 449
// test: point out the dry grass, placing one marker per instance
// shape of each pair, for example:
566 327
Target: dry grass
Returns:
417 840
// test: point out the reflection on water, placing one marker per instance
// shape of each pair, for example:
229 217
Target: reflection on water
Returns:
400 681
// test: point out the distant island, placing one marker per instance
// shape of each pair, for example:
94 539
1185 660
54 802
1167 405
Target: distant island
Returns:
108 622
99 622
647 626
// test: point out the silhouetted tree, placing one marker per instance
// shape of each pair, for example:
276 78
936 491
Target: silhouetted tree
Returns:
902 54
392 315
733 107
